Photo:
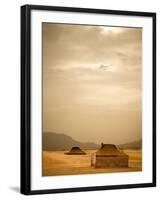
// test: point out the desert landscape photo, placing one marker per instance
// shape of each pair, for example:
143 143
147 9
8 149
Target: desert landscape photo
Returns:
92 94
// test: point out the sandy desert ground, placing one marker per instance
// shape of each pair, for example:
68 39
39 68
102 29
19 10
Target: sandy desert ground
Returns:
57 163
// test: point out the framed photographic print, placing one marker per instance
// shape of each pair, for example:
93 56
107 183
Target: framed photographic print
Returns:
88 99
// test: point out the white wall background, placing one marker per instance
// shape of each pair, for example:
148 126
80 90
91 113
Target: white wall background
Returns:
10 99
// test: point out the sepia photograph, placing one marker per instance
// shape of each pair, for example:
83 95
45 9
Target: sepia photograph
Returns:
91 99
88 99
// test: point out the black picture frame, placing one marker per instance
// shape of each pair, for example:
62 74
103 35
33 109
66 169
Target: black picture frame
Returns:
26 98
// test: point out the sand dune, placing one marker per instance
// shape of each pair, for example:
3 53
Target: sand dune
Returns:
57 163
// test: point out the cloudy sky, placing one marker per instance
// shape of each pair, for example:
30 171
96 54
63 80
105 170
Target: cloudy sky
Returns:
92 82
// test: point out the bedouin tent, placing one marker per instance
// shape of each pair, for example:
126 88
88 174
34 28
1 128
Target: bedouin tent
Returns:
109 156
75 151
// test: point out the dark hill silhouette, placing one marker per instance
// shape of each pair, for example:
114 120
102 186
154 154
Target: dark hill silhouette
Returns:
58 141
132 145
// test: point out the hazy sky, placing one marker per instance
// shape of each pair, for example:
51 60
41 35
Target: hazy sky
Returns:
92 82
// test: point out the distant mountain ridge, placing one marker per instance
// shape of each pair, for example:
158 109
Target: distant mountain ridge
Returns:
58 141
132 145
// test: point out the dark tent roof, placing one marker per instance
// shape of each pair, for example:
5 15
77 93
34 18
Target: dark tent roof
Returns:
109 150
75 151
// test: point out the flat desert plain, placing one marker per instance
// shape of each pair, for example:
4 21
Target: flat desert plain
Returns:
56 163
